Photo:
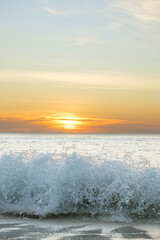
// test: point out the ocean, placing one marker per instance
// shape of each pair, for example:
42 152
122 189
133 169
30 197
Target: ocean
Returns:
96 179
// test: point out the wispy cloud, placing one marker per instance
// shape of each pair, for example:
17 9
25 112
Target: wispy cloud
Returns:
13 124
114 25
86 125
142 10
113 80
56 12
82 40
43 1
62 12
141 17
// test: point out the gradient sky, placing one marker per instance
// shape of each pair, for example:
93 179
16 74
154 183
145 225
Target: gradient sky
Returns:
82 66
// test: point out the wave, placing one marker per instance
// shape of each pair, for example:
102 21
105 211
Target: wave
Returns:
45 184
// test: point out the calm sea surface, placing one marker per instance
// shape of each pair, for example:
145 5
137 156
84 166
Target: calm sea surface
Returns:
142 149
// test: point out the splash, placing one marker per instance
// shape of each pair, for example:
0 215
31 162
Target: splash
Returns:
44 184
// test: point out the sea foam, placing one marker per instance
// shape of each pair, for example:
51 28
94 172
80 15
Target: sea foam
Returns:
46 184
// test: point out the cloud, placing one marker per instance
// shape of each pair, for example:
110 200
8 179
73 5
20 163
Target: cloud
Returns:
111 80
63 13
82 41
43 1
143 10
86 125
14 124
114 25
56 12
99 125
140 17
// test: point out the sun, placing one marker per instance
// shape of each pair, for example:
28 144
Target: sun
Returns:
69 124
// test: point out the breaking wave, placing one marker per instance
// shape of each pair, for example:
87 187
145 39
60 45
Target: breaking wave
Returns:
45 184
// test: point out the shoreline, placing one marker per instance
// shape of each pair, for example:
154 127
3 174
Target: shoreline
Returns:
75 228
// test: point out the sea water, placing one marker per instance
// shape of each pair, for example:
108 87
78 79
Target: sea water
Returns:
114 177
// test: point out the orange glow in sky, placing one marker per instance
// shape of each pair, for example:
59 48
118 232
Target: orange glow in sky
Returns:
101 75
69 124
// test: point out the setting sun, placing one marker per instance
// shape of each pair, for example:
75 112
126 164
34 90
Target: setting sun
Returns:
69 124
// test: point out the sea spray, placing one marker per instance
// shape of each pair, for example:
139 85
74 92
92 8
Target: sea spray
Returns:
46 184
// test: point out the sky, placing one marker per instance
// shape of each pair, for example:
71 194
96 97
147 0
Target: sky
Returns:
80 66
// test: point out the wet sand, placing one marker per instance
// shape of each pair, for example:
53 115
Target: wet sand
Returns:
75 229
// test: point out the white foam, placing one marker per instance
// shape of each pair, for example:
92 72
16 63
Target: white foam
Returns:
44 183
